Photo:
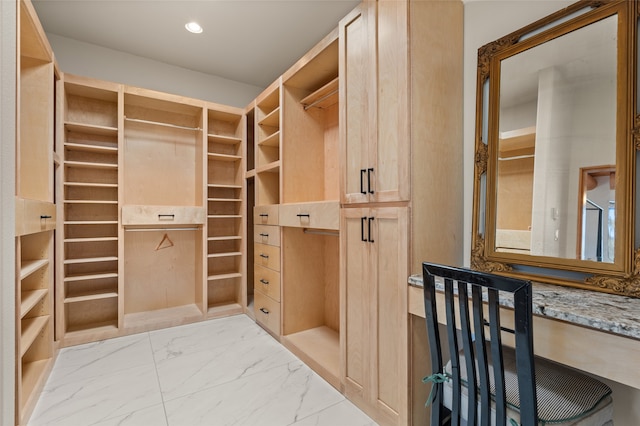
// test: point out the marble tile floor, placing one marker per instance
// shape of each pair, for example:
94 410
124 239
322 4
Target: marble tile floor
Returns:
226 371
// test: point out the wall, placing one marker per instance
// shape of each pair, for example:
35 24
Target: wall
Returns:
90 60
7 212
486 21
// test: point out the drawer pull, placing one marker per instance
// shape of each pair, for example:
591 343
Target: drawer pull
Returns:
264 311
263 281
303 215
264 235
264 256
166 216
42 216
264 215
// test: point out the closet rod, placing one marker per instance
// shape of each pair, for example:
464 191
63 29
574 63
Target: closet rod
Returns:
161 229
317 101
321 232
157 123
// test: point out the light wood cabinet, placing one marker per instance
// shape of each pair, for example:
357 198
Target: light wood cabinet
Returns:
374 263
267 145
35 212
401 186
267 269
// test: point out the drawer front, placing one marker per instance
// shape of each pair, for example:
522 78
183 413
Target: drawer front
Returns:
267 312
141 215
324 215
266 234
34 216
267 256
267 281
265 215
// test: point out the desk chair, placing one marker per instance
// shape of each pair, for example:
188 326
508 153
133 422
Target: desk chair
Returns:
511 386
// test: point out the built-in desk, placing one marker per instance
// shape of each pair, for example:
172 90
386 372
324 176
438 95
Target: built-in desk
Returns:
595 332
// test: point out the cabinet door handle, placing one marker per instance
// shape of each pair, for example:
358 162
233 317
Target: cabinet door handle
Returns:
263 281
264 235
369 228
45 216
303 215
264 311
166 216
369 171
264 256
362 172
264 215
362 221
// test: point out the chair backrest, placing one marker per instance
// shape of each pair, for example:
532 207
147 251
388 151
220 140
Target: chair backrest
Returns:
469 287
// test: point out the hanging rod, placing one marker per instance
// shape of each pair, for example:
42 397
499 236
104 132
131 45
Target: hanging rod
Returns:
321 232
317 101
161 229
157 123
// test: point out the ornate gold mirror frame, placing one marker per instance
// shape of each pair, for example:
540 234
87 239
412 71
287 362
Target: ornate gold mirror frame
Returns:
620 273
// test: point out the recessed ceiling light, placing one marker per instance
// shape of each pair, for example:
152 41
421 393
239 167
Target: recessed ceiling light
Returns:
193 27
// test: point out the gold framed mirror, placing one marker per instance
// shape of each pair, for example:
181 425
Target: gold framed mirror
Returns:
557 128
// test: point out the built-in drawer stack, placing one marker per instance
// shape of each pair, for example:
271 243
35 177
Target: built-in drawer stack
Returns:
267 267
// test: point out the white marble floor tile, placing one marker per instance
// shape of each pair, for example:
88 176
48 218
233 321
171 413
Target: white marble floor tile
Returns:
176 341
189 373
343 413
279 396
87 401
152 416
103 357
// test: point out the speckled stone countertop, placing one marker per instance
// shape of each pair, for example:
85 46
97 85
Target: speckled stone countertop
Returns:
607 312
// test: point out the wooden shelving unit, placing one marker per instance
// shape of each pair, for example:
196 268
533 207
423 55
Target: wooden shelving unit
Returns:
88 294
225 288
35 212
267 145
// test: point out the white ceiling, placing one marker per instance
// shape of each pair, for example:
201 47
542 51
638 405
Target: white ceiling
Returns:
250 41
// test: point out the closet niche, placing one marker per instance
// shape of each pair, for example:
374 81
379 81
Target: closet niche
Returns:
163 213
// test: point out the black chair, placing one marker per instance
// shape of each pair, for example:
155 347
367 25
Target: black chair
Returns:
510 386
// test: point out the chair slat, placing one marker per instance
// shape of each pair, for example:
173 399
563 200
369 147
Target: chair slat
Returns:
497 360
524 356
437 410
453 349
467 344
481 355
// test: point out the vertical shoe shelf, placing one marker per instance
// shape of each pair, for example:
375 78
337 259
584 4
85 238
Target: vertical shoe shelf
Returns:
267 115
226 288
89 291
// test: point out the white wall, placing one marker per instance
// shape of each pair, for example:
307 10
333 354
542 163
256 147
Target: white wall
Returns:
486 21
7 212
90 60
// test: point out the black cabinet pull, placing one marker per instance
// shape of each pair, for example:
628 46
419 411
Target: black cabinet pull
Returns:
264 215
369 227
263 281
303 215
264 311
264 256
362 221
264 235
369 171
362 172
45 216
166 216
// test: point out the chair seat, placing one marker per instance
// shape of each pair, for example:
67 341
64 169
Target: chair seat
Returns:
565 396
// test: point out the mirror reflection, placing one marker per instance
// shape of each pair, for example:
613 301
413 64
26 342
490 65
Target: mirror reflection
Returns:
557 129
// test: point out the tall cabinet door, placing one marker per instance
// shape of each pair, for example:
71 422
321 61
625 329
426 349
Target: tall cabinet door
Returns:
389 264
357 101
357 315
375 256
374 103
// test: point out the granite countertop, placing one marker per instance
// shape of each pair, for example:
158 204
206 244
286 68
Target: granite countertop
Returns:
606 312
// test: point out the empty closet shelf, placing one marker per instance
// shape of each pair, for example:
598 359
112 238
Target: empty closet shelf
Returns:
90 260
224 276
90 165
28 267
87 277
74 297
91 129
229 140
31 328
227 254
29 299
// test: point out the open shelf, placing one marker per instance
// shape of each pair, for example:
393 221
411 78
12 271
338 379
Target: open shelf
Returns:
229 254
224 157
272 119
84 147
94 294
224 309
31 298
224 276
28 267
31 328
231 140
89 165
272 140
74 278
320 349
162 317
91 260
93 328
91 185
